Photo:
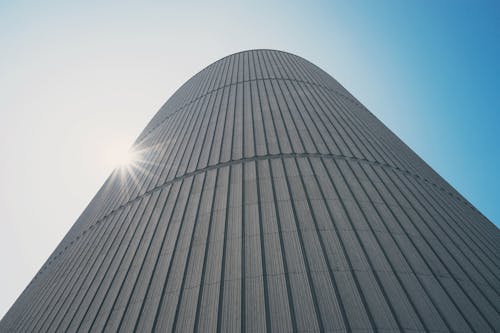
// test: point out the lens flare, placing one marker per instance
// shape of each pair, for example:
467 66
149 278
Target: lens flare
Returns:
126 158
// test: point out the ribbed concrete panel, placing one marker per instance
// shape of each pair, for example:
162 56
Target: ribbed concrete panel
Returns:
269 199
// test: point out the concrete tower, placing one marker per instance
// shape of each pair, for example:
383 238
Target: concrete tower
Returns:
267 198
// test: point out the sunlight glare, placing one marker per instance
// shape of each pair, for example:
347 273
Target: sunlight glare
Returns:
125 158
118 154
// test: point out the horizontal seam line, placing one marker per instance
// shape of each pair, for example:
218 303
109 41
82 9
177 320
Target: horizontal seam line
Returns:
241 161
143 137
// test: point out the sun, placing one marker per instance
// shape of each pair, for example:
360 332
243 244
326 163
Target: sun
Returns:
117 154
126 163
125 158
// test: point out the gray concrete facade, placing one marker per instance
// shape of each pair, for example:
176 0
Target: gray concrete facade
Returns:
269 199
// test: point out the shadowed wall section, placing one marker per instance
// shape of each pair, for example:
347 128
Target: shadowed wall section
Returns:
268 198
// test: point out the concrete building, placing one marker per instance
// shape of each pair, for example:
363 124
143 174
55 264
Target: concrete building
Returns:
267 198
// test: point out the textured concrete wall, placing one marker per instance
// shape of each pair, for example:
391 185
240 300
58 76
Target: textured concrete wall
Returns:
270 199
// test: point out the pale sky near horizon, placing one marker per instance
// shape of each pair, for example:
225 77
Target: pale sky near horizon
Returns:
79 81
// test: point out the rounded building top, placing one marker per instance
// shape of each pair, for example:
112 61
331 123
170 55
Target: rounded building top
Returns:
244 66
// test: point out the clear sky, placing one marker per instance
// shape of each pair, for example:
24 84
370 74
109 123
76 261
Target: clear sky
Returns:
79 81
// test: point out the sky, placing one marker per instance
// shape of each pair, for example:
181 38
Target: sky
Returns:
80 80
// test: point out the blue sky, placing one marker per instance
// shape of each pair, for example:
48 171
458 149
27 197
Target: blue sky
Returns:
79 80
